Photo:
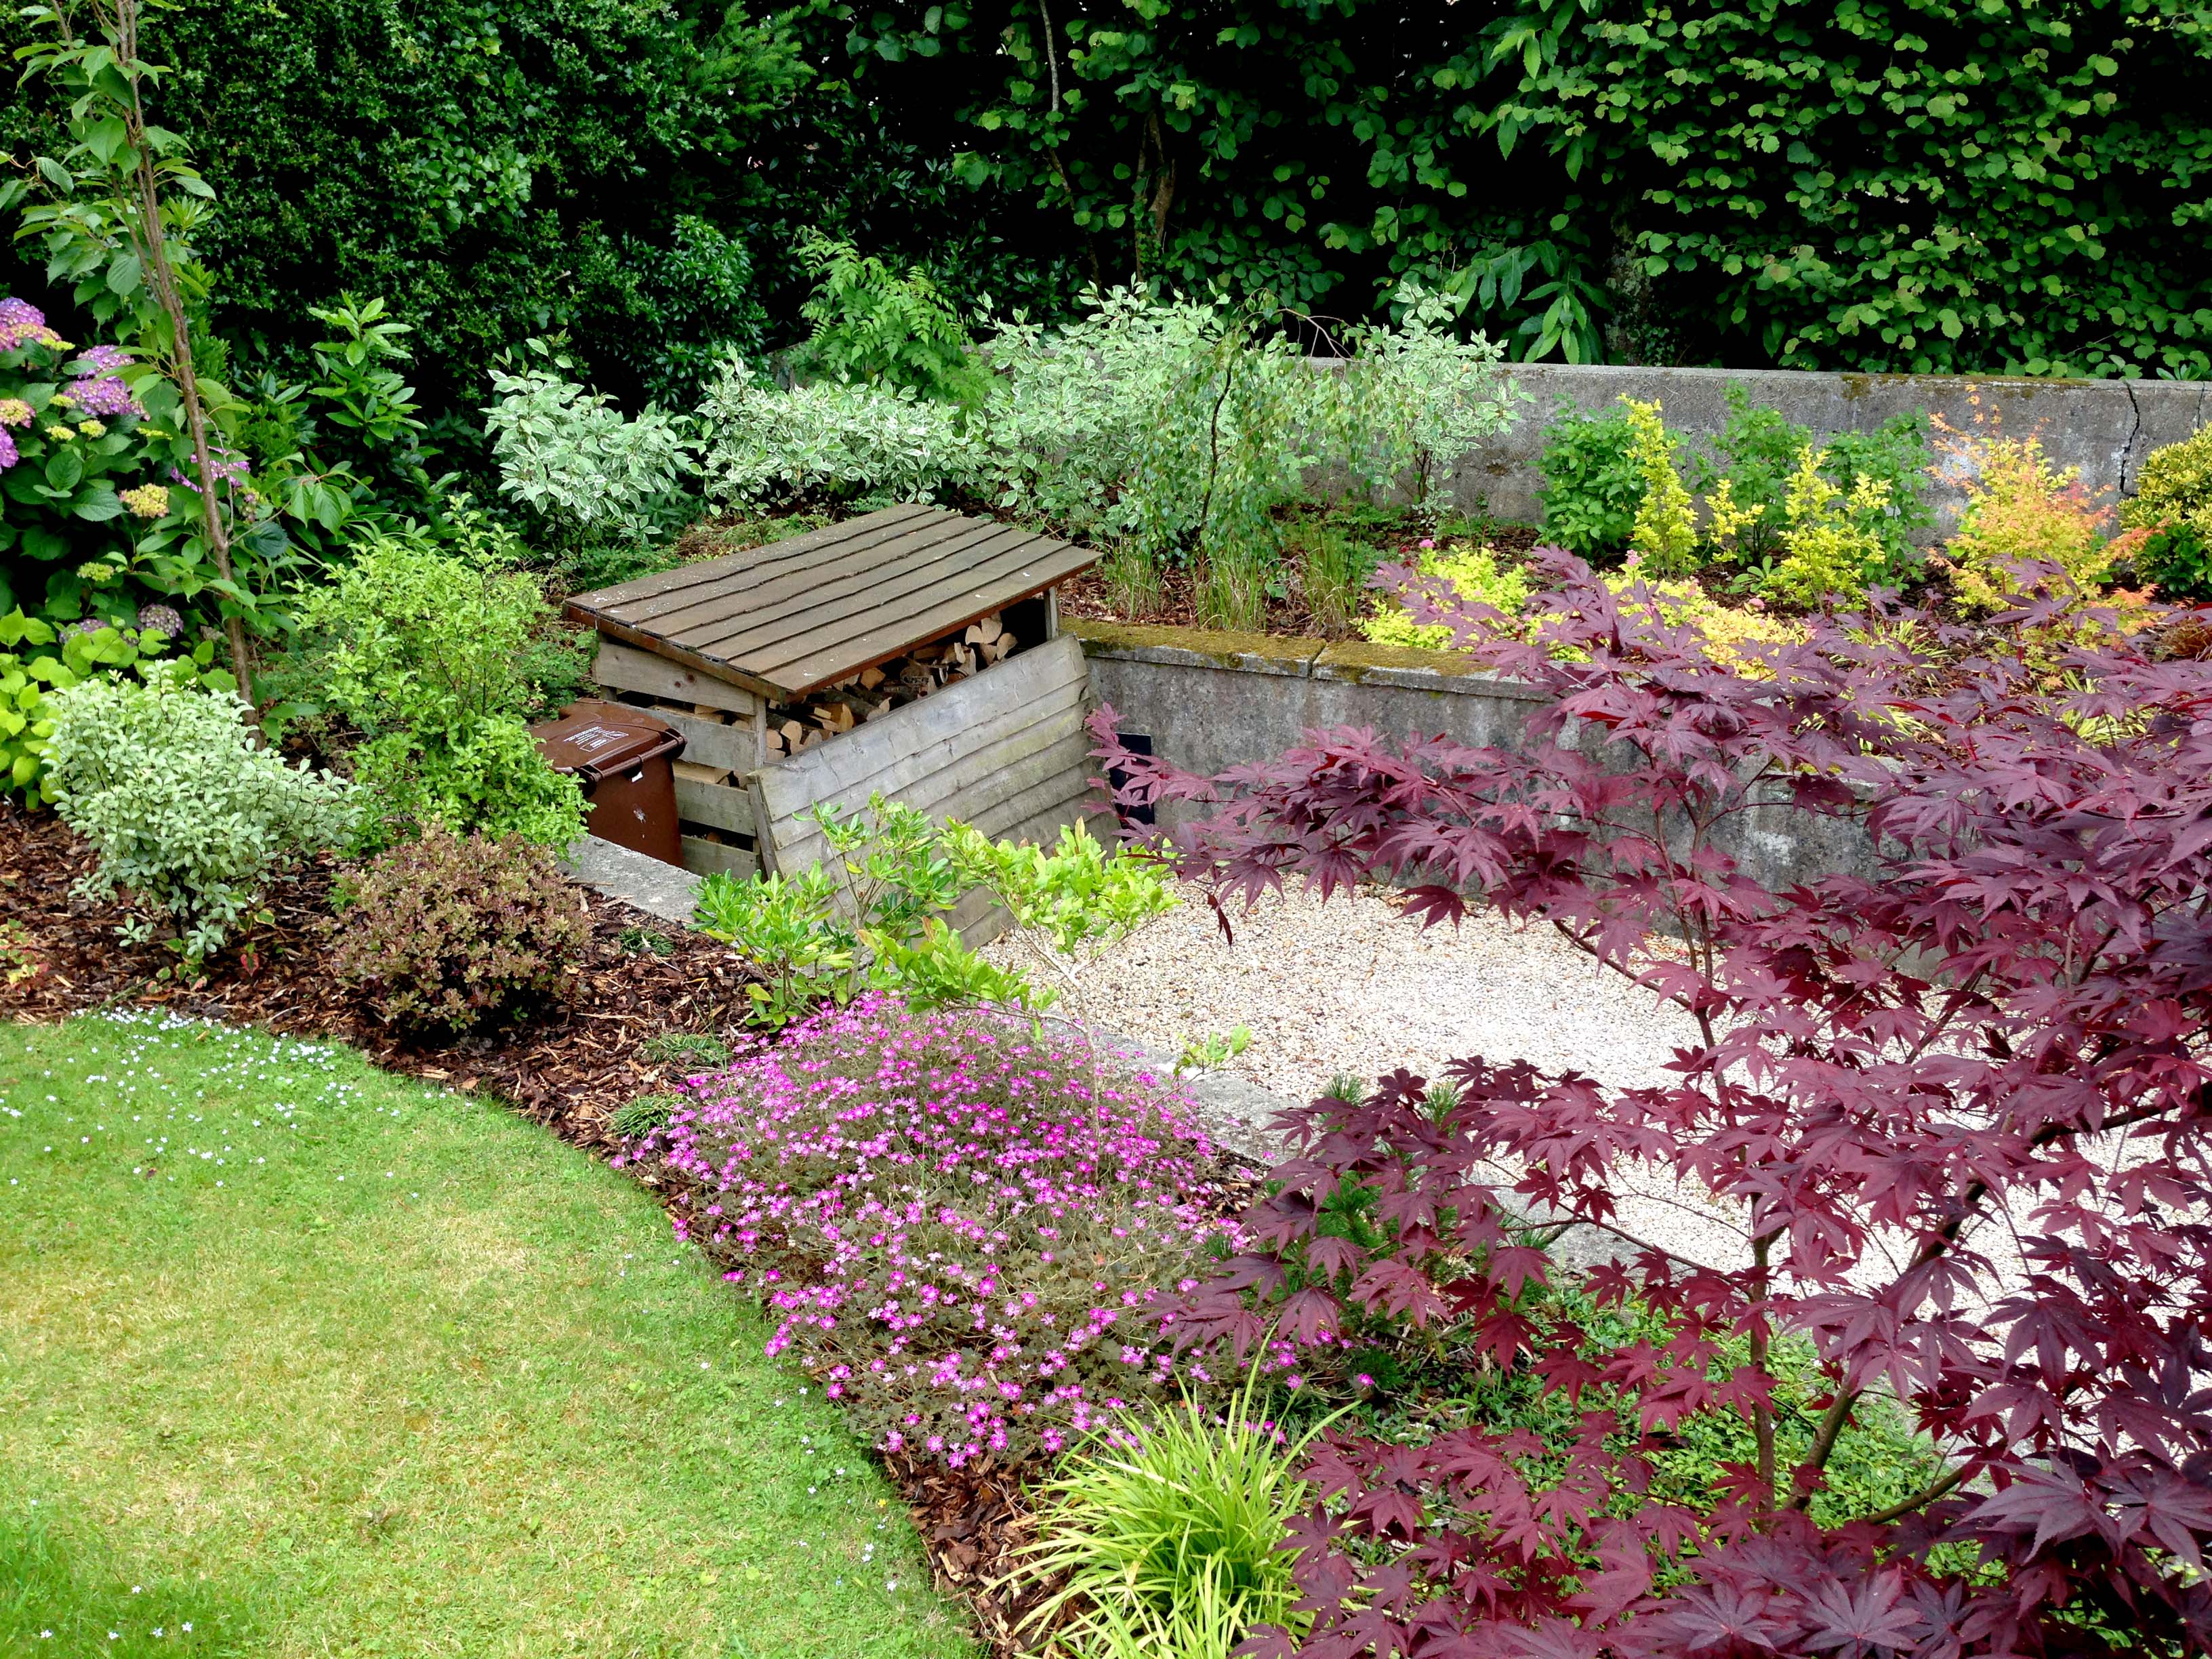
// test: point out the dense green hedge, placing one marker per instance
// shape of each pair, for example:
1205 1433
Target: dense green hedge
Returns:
1944 184
632 170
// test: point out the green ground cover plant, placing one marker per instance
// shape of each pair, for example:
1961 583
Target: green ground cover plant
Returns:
322 1360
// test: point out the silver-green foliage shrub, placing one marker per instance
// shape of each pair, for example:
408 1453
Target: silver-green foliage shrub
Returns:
839 439
188 813
571 457
1176 425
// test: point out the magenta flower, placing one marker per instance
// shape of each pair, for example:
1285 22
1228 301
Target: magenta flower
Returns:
893 1180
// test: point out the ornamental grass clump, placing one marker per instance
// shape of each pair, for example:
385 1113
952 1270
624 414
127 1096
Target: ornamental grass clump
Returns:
962 1228
1173 1536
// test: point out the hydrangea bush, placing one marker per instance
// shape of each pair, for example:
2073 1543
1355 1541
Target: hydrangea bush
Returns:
961 1226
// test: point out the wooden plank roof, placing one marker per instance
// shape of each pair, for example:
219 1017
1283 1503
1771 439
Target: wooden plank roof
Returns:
795 616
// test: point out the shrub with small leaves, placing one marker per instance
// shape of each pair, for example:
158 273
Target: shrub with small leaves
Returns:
427 655
2022 509
1666 528
1593 486
188 812
2172 507
450 932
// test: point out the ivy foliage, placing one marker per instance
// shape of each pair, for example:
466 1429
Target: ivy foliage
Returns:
483 164
1983 185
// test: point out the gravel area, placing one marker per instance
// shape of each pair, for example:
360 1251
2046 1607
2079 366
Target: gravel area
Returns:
1351 985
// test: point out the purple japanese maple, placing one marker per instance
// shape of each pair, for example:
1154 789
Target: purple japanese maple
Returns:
1959 1107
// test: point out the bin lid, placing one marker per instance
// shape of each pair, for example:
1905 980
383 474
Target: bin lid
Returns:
594 739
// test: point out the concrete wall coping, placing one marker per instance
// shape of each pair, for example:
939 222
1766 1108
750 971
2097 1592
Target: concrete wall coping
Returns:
1354 662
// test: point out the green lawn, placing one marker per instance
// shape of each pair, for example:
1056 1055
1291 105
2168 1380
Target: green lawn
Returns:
317 1361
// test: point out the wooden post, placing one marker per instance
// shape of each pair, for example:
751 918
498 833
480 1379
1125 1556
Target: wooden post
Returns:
1052 613
760 735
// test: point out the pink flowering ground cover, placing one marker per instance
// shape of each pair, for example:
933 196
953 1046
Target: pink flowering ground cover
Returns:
968 1232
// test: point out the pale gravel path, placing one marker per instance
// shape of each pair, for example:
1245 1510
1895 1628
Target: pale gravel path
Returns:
1352 986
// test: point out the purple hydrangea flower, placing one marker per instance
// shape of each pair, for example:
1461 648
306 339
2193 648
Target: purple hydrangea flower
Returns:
23 324
9 453
105 396
99 360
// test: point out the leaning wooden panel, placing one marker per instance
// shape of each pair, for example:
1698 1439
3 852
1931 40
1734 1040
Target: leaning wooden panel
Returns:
709 857
923 736
978 745
717 806
973 788
712 742
966 751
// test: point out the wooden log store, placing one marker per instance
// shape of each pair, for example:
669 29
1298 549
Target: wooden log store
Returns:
912 651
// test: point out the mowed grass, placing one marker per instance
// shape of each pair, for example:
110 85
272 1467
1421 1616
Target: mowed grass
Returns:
297 1358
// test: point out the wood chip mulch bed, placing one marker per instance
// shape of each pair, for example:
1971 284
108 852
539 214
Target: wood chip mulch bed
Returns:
569 1069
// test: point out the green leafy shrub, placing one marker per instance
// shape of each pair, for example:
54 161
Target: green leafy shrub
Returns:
667 311
882 327
871 916
831 440
1830 544
188 812
426 652
36 662
1172 1534
1593 486
2172 508
1747 477
448 932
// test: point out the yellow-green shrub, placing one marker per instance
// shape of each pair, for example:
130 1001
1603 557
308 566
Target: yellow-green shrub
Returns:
1665 530
2169 522
2175 487
2022 507
1729 638
1829 536
1474 573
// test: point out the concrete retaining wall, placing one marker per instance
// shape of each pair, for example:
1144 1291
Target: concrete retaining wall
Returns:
2104 426
1212 700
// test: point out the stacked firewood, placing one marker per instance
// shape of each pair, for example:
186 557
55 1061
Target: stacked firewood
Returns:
874 692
